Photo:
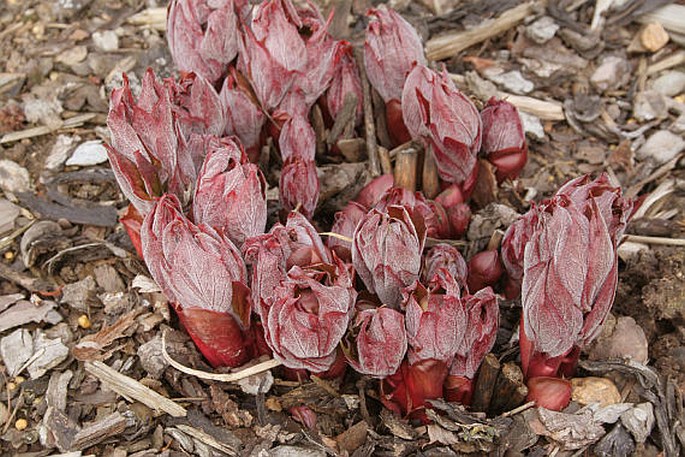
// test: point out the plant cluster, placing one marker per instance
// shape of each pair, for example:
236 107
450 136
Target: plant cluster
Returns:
373 296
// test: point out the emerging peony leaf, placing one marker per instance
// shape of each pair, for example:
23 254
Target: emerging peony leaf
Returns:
345 82
199 106
504 141
272 255
513 245
445 120
297 139
203 274
406 391
299 186
272 53
433 214
379 342
386 252
244 116
436 320
203 35
231 193
344 223
570 272
481 331
447 257
310 315
148 153
391 49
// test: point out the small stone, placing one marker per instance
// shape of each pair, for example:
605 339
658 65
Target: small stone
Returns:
60 152
72 55
613 73
661 147
89 153
84 321
512 81
48 354
8 214
639 421
21 424
542 30
13 177
626 340
106 41
16 349
532 125
594 390
649 105
653 36
670 83
43 110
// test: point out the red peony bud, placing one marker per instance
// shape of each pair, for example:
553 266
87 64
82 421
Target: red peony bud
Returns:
391 49
481 331
304 416
485 269
504 142
244 116
445 120
371 194
309 316
570 271
433 214
550 393
298 139
459 217
513 244
299 186
447 257
379 342
345 81
230 194
203 274
203 36
407 391
386 252
344 223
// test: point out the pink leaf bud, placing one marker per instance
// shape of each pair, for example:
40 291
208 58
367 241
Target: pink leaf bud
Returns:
371 194
204 275
391 49
445 120
379 342
435 319
230 195
459 217
203 36
344 223
386 252
570 268
504 141
297 139
345 81
244 116
447 257
299 186
485 269
309 316
550 393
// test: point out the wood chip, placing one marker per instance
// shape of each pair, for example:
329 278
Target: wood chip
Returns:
445 46
110 426
76 121
151 17
132 389
206 438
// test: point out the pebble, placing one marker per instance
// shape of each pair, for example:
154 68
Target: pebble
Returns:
649 105
89 153
532 125
106 41
13 177
639 421
625 340
670 83
542 30
43 110
613 73
72 56
513 81
594 390
653 36
661 147
8 214
60 152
